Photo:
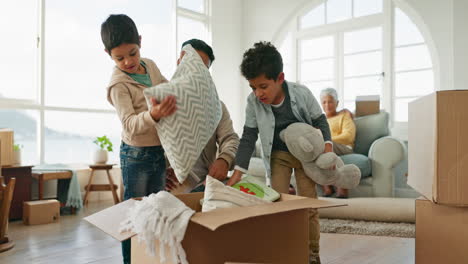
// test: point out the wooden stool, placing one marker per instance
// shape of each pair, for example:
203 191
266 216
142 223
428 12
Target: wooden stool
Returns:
101 187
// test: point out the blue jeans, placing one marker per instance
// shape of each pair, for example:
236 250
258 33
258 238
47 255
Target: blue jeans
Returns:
143 173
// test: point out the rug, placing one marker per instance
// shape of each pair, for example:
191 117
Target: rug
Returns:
360 227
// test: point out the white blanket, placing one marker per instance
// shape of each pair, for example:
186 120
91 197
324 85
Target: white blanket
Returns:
218 195
163 217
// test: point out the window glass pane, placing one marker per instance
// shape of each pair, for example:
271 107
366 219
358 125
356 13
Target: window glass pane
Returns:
401 109
18 46
414 83
363 40
317 48
406 31
412 58
317 70
367 7
362 86
338 10
363 64
24 125
315 17
188 29
317 87
194 5
69 136
73 42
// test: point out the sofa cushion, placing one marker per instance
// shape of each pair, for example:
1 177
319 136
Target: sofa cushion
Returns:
368 129
361 161
185 133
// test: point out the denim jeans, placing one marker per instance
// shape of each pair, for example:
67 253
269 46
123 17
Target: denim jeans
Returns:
143 173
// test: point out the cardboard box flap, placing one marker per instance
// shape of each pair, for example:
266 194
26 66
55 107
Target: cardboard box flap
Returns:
219 217
109 219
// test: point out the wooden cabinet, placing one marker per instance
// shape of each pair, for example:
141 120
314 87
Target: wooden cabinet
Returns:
22 190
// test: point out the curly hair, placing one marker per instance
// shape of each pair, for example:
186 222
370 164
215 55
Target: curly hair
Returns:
263 58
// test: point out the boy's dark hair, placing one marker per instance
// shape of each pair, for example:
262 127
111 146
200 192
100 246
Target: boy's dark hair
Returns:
263 58
117 30
201 46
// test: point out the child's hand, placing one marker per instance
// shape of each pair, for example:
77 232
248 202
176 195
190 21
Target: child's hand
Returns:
219 170
235 178
171 180
329 148
166 108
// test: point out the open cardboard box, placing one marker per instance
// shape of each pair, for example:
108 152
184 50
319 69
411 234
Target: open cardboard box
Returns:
271 233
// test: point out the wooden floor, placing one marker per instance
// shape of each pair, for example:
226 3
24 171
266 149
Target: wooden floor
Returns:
73 240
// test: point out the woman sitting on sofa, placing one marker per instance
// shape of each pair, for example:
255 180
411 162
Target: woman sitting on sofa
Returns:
343 131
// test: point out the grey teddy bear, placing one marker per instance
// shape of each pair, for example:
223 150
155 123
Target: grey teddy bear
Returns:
306 144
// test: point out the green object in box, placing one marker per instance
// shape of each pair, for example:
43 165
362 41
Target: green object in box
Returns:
252 186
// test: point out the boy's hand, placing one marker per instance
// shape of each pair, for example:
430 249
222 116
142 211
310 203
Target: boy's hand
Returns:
171 180
235 178
329 148
166 108
219 169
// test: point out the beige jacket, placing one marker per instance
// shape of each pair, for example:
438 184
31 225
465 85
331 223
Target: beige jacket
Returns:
126 95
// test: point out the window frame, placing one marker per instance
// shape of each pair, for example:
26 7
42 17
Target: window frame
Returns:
385 20
39 104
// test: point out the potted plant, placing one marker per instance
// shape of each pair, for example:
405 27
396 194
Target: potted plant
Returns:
17 153
105 145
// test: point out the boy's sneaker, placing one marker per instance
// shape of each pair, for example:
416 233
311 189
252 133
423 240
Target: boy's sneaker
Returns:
314 260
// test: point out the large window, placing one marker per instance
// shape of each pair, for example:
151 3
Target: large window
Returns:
359 47
55 72
192 21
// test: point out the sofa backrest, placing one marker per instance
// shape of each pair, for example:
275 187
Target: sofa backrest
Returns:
368 129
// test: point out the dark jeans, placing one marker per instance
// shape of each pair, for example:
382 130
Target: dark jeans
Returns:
143 173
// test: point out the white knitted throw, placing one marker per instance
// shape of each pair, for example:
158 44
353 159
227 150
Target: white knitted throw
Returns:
218 195
163 217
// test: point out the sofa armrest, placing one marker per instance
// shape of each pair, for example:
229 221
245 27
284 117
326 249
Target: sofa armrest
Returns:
385 153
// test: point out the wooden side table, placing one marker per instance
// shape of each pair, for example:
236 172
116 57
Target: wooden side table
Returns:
101 187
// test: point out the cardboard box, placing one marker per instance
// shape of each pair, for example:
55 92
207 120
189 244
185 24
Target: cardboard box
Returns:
367 105
438 147
6 147
41 212
272 233
441 233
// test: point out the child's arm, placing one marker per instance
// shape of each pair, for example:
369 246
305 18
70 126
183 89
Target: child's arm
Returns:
247 143
136 123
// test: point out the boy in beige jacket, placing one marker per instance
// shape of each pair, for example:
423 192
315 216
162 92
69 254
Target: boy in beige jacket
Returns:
141 155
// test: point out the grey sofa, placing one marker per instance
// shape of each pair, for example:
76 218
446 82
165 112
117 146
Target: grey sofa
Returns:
376 154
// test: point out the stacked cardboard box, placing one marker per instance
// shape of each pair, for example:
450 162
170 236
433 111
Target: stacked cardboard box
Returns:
271 233
6 147
438 169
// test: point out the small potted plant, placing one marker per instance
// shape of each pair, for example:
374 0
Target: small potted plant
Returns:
17 153
105 145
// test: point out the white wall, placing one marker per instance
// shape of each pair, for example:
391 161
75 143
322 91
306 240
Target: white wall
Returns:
460 40
227 32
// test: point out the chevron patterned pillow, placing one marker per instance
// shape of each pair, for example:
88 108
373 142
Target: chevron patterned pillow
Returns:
185 134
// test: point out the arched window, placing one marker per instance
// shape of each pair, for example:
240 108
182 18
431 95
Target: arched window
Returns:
359 47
